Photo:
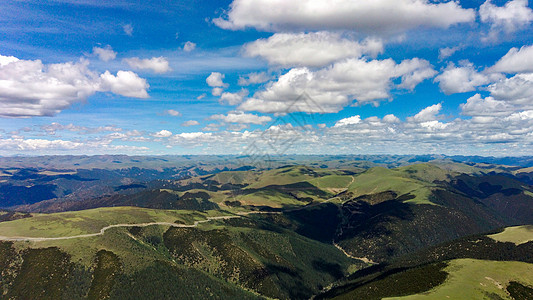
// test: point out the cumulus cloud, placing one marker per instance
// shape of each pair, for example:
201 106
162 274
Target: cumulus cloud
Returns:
515 90
477 106
172 112
190 123
422 133
192 135
162 134
515 61
4 60
193 139
413 71
129 136
514 15
128 29
313 49
508 96
39 144
427 114
233 98
52 128
212 127
348 121
241 117
254 78
105 54
334 87
30 145
215 79
216 91
156 64
491 130
391 119
463 79
448 51
31 88
189 46
363 16
125 83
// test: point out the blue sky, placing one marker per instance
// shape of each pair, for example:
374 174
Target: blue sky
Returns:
222 77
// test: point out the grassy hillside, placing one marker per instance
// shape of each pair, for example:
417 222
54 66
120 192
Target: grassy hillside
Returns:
236 258
91 221
275 263
455 279
402 182
478 279
518 234
423 223
421 272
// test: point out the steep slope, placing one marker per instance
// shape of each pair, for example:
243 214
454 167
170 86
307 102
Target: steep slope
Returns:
471 267
235 258
414 207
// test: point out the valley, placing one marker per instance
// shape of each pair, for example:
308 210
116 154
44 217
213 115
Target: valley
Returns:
312 227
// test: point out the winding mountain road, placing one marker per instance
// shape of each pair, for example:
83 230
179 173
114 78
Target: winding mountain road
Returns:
195 224
103 230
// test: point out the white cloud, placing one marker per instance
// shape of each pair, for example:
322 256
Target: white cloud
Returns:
30 145
515 61
334 87
156 64
189 46
125 83
421 134
448 51
105 54
172 112
412 72
193 139
4 60
162 134
52 128
128 29
463 79
427 114
190 123
485 133
212 127
39 144
477 106
254 78
515 90
202 96
391 119
363 16
313 49
30 88
192 135
521 116
514 15
233 98
348 121
217 91
240 117
215 79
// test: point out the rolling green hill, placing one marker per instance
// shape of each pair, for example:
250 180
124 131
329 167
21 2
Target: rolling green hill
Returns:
240 257
290 232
